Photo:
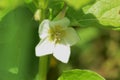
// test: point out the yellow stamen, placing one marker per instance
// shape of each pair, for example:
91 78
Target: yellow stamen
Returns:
56 33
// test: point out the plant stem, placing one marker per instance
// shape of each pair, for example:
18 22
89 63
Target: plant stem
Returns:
43 65
43 7
42 15
43 61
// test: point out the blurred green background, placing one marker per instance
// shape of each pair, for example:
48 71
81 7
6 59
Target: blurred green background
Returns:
97 50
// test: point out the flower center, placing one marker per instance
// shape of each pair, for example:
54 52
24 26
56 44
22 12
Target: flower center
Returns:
56 33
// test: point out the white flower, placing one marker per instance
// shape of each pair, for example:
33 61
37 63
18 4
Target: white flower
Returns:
56 38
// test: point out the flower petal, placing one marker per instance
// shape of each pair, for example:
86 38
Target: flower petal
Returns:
44 47
71 37
62 52
43 29
64 22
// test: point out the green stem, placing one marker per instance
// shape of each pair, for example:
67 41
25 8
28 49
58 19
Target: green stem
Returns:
43 61
42 15
43 7
43 65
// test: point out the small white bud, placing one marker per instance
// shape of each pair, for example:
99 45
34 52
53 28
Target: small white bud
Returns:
37 15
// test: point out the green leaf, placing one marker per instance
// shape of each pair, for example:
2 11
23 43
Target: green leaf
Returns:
8 5
80 75
79 18
28 1
18 38
77 4
106 11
